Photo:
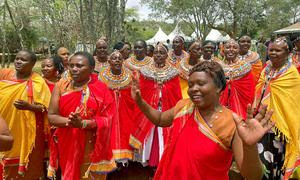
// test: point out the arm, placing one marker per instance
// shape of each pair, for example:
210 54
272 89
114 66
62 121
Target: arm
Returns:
23 105
53 112
6 140
248 133
162 119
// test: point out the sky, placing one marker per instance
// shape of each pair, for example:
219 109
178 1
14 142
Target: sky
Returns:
143 10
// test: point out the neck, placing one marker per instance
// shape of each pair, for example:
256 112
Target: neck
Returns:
193 61
81 83
116 71
161 65
243 53
209 111
52 79
102 59
278 66
140 58
23 75
231 61
178 52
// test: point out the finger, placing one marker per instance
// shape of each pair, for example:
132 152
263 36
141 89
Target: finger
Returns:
261 113
249 112
269 126
237 119
267 118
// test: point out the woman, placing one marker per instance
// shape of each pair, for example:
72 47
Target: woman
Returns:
24 98
124 48
64 54
101 54
161 89
208 51
239 91
185 65
177 54
139 59
205 135
82 110
279 88
150 49
52 68
296 54
118 80
249 56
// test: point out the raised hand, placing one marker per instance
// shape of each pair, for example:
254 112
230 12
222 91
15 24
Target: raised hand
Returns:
135 87
253 128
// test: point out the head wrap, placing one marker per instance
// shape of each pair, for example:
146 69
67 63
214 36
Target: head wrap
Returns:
159 44
180 37
282 41
195 43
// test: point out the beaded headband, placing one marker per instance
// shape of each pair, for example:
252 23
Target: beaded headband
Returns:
161 45
231 41
195 43
180 37
281 41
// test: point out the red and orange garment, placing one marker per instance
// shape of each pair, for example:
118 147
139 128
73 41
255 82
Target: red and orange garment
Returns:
240 87
296 60
120 89
254 59
160 88
81 151
195 150
26 127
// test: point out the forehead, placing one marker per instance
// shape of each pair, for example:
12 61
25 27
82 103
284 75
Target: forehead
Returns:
62 51
196 46
24 55
277 46
209 45
115 54
245 38
231 44
160 49
47 61
78 59
101 43
139 44
200 76
177 39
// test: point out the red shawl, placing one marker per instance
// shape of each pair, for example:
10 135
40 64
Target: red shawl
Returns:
71 141
238 94
171 94
195 151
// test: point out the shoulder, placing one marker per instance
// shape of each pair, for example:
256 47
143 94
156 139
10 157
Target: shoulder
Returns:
6 74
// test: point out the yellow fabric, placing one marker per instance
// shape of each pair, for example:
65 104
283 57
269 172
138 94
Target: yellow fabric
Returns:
22 123
284 100
184 88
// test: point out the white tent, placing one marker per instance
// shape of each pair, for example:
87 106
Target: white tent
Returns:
160 36
194 34
214 35
224 38
177 32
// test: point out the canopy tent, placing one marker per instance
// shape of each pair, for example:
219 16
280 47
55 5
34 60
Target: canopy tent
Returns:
177 32
194 34
295 28
215 36
160 36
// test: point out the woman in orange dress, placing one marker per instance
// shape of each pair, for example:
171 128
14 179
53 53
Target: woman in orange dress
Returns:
250 56
82 109
204 135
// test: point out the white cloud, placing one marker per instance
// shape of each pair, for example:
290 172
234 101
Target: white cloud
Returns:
143 10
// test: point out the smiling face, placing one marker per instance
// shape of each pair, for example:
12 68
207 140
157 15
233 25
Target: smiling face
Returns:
23 63
48 69
80 68
202 90
160 55
195 51
101 49
116 61
245 44
231 51
208 50
278 54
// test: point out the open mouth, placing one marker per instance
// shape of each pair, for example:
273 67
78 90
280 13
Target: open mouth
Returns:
196 98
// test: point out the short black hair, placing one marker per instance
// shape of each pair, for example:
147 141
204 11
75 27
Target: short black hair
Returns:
31 54
87 55
151 47
58 63
209 42
141 41
118 46
213 69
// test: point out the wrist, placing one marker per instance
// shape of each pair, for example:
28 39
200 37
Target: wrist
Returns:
83 124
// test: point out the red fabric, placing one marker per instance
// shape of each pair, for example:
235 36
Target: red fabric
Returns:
171 94
50 85
123 121
154 155
191 155
71 141
241 94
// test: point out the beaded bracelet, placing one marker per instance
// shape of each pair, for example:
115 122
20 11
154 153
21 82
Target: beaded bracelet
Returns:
84 124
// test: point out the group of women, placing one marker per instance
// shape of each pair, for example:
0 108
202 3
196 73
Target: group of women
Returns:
175 115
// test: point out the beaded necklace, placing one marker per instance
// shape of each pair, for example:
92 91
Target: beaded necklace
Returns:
251 57
237 69
135 64
174 59
113 81
184 68
159 75
100 65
